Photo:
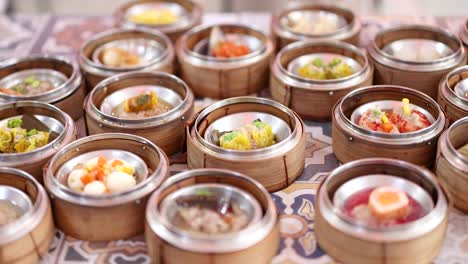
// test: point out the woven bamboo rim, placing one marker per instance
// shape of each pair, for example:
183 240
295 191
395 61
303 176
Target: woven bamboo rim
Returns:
28 238
352 28
172 30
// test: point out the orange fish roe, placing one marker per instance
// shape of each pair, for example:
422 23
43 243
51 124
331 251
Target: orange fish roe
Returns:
229 49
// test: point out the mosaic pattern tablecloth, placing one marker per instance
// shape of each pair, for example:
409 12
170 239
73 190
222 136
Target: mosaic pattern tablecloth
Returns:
23 35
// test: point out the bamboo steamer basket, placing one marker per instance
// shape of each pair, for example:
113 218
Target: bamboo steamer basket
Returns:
165 130
418 241
192 16
141 39
71 92
258 241
284 34
423 76
105 217
275 167
222 78
454 106
451 166
464 35
352 142
300 93
33 162
27 239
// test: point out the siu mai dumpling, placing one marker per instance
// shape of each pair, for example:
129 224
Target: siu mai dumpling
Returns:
237 140
142 102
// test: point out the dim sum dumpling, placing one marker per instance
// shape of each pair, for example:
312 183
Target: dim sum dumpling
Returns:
119 181
74 180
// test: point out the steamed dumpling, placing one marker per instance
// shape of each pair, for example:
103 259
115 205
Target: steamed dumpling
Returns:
119 181
74 180
95 188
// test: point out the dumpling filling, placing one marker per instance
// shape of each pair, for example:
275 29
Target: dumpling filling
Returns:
199 219
15 139
99 176
318 70
401 119
146 104
383 206
255 135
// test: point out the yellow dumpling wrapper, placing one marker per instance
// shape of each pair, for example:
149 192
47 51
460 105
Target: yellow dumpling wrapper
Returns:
155 17
237 140
141 102
6 140
341 70
262 134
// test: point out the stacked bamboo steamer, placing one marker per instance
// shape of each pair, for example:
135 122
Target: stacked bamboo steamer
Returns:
154 49
220 78
293 24
453 95
464 35
299 93
166 130
452 162
56 120
64 73
169 244
26 239
418 147
186 14
275 167
104 217
417 241
407 56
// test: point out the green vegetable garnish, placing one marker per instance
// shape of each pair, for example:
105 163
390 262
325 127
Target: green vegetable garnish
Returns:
32 132
143 99
203 192
30 80
334 62
14 122
259 124
229 136
376 112
317 62
35 83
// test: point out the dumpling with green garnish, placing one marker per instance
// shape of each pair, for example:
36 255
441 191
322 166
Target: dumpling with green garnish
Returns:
254 135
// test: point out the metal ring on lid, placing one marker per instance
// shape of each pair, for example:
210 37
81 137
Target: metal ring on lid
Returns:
386 37
154 40
60 68
344 107
447 148
397 168
280 147
229 242
31 218
149 153
134 79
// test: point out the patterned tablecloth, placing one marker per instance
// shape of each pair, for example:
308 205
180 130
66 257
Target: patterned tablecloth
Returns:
27 34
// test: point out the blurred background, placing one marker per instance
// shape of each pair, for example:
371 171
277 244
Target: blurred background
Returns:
374 7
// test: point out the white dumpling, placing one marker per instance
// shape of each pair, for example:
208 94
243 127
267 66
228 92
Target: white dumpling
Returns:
112 57
119 181
95 188
74 179
90 164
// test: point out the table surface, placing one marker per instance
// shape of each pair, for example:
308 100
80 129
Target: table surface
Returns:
33 34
